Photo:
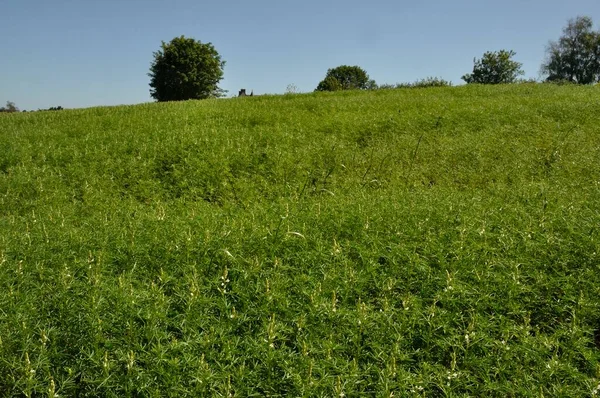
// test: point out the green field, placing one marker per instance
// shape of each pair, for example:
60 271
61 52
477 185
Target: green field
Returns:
409 242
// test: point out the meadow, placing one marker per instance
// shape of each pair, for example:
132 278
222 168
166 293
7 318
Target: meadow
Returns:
435 242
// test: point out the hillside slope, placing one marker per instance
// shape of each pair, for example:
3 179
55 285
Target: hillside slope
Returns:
435 242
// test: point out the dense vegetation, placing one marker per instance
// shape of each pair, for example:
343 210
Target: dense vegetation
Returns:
185 69
431 242
495 67
9 108
575 57
346 77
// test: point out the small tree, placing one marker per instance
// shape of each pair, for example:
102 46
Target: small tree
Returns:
345 78
575 57
186 69
291 89
9 108
495 68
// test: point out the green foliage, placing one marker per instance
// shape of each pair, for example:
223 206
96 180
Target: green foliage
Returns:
436 243
346 77
371 85
388 86
52 108
423 83
9 108
186 69
330 83
495 68
575 57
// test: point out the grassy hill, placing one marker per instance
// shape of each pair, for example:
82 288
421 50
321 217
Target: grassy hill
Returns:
414 242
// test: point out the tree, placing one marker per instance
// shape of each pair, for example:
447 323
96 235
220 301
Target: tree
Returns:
330 83
184 69
291 89
10 107
494 68
575 57
345 78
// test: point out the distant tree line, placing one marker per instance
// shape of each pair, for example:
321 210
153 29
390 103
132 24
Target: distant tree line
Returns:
186 68
574 58
422 83
53 108
11 107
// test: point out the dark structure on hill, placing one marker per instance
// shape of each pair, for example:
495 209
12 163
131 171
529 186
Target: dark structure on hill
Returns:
242 93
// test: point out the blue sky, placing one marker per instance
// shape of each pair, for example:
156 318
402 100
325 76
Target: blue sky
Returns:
81 53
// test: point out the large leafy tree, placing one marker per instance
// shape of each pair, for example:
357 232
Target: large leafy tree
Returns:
184 69
575 57
345 77
495 67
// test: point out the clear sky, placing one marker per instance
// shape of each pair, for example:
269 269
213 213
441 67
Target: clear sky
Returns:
81 53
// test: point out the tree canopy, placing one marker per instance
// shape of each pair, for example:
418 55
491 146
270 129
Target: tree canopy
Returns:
575 57
184 69
9 108
345 77
494 68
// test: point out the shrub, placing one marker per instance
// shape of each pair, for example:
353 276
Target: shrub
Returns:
346 77
422 83
494 68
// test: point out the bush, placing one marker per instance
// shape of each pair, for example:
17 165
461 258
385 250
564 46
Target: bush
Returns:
53 108
431 82
494 68
346 77
427 82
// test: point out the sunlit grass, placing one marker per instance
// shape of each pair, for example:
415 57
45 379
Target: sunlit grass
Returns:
414 242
